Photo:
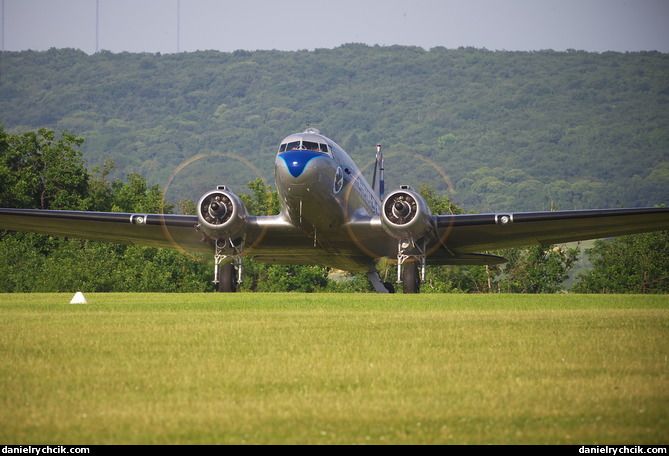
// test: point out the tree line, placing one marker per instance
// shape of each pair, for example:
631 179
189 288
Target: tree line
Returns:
45 170
510 130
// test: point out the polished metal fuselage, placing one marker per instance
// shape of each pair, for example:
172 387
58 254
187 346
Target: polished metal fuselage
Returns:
325 196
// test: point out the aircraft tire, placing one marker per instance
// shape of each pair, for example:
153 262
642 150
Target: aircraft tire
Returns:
227 278
389 286
410 278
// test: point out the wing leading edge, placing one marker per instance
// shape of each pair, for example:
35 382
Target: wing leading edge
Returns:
479 232
270 239
153 230
273 239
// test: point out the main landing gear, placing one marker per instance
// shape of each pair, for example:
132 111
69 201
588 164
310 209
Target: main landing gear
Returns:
411 278
228 275
410 255
408 275
227 278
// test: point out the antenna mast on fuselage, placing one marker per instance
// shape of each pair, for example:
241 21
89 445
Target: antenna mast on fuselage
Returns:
378 180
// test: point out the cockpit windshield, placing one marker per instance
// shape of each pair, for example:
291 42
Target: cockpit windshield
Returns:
295 145
308 145
305 145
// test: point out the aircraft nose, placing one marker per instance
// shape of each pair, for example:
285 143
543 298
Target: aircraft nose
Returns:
296 161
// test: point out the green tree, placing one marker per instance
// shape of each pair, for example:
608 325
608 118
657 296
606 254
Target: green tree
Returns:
39 171
529 270
92 266
43 171
461 279
540 269
637 263
439 205
263 200
136 196
541 113
304 279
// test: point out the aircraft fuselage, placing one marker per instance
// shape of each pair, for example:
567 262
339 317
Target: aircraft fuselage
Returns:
320 186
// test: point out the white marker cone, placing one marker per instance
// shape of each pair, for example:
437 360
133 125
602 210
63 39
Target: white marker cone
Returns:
79 298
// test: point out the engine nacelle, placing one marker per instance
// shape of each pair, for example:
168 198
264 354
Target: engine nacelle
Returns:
221 214
405 214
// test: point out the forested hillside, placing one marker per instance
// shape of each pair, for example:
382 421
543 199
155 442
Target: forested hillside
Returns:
503 130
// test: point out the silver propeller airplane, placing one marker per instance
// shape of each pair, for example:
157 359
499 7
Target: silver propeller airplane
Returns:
332 216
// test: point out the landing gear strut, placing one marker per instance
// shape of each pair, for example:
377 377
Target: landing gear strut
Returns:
379 286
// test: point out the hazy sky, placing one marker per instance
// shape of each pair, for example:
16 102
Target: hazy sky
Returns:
151 25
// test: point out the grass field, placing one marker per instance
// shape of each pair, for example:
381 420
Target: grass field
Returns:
334 369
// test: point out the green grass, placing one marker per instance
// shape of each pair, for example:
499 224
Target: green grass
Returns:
334 369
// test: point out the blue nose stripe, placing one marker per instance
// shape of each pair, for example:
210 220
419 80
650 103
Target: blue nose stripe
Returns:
297 160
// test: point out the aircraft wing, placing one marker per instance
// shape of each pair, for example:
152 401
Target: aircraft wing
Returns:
153 230
273 239
269 239
465 233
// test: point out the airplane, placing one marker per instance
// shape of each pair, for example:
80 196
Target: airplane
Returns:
332 216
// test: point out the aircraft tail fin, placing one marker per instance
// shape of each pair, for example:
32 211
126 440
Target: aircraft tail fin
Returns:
378 183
